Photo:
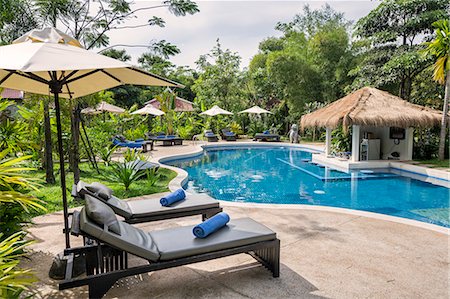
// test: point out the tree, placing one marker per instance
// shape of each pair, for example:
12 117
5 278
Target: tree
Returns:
440 49
390 36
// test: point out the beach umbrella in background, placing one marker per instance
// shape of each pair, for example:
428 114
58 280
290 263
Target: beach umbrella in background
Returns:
150 111
103 107
216 110
255 110
45 61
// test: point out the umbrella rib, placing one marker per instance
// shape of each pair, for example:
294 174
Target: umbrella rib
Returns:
81 76
32 77
111 75
156 76
6 77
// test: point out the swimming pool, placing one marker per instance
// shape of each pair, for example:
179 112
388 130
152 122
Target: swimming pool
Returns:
285 175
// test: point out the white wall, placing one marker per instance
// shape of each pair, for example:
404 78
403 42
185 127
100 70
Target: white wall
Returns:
388 146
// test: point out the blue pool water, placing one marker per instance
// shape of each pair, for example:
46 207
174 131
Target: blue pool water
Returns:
284 175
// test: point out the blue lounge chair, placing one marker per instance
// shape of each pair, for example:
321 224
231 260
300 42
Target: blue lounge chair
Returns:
119 140
210 136
228 135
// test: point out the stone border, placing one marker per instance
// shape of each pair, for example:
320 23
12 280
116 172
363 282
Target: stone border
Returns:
182 177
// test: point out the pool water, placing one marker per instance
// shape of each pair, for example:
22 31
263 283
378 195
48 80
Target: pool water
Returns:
283 175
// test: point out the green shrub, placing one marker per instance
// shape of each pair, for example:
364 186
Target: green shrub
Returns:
153 176
13 280
105 154
133 154
126 173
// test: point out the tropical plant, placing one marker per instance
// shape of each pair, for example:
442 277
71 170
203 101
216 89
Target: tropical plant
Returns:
341 140
13 280
152 175
106 153
126 173
440 49
131 155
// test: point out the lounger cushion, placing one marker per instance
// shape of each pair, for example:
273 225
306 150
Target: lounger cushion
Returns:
101 214
132 239
180 242
99 190
150 207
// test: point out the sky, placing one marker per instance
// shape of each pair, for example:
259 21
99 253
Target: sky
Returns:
240 26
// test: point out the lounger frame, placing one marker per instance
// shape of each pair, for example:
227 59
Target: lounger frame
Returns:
106 264
171 214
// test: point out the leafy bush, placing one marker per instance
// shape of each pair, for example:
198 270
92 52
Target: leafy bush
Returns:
126 173
13 280
106 153
131 155
152 176
236 128
341 141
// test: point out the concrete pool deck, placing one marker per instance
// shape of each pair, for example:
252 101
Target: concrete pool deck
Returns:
324 254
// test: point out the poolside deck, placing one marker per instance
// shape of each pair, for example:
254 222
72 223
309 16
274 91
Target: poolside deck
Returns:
324 254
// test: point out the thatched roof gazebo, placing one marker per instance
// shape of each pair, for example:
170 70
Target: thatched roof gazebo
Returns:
373 109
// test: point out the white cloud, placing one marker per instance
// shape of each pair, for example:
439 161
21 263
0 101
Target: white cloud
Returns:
240 25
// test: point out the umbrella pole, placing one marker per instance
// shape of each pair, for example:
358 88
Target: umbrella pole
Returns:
61 164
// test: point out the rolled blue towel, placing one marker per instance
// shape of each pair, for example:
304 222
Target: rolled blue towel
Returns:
170 136
172 197
211 225
266 132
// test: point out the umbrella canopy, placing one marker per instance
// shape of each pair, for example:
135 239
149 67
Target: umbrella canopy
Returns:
216 110
148 109
181 105
31 64
103 107
256 110
47 61
372 107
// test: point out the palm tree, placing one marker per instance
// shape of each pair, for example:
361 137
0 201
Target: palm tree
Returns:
440 49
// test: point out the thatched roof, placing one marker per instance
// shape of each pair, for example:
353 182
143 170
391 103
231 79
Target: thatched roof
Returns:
372 107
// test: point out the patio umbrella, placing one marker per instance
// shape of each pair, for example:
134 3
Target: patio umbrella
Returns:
103 107
148 110
256 110
45 61
216 110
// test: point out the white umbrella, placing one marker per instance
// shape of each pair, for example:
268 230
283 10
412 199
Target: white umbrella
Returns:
103 107
49 61
256 110
148 109
216 110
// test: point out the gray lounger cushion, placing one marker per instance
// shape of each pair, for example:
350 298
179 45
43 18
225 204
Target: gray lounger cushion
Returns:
180 242
149 207
99 190
132 239
102 214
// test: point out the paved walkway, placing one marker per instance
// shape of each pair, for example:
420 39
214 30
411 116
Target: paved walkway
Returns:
324 254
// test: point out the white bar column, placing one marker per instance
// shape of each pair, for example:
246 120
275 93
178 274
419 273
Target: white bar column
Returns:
328 142
409 135
355 143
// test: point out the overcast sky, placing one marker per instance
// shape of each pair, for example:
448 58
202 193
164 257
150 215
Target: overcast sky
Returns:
240 25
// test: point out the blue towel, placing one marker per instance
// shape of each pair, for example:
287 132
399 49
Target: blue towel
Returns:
170 136
228 134
266 132
173 197
211 225
210 134
139 140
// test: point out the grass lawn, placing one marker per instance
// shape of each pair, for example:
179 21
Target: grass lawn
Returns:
436 162
51 194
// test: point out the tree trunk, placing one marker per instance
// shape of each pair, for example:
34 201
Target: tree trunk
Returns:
443 134
74 154
48 154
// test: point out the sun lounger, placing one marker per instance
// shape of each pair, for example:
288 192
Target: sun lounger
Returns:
127 143
168 140
228 135
210 136
266 136
146 210
106 260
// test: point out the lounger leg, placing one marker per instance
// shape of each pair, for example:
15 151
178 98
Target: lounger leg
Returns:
99 287
270 257
211 213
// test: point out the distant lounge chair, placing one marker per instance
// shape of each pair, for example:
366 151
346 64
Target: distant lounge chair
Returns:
210 136
146 210
266 136
167 140
120 140
228 135
106 261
